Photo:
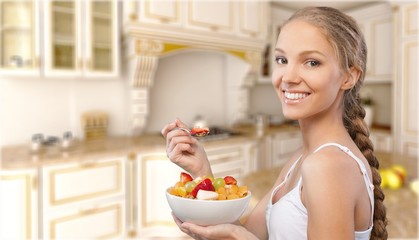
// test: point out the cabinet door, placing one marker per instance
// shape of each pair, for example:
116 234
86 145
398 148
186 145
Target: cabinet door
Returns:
166 11
62 38
155 173
377 25
101 38
18 205
380 46
201 15
253 19
81 38
407 87
19 37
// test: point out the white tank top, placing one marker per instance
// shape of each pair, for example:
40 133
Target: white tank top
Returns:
287 218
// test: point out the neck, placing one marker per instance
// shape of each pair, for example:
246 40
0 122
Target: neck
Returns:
323 128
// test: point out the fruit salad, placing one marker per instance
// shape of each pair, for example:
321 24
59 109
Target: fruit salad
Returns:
208 188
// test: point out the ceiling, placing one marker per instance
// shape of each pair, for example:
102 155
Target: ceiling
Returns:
339 4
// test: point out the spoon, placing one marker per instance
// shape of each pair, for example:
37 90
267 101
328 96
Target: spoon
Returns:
196 131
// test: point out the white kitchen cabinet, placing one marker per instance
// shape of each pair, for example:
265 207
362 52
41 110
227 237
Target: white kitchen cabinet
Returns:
18 204
376 23
81 38
155 173
406 85
201 16
382 141
85 199
243 19
165 12
19 38
234 160
284 145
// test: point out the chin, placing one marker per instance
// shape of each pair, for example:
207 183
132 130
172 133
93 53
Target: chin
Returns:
291 116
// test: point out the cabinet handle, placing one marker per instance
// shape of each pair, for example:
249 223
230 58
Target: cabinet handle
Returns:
89 64
87 211
87 164
35 183
79 64
37 62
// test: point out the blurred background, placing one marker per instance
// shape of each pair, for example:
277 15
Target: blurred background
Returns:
86 87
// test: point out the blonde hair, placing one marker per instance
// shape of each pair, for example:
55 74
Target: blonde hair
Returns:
345 36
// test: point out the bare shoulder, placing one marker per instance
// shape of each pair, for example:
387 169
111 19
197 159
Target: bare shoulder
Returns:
331 167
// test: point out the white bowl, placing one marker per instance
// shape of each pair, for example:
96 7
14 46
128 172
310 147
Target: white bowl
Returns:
207 212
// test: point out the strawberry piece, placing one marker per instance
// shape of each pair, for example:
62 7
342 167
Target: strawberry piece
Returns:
200 132
229 180
206 184
185 177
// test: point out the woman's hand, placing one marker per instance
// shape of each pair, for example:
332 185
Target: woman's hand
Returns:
215 232
185 151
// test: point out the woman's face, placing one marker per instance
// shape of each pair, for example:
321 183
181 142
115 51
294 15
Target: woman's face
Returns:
307 76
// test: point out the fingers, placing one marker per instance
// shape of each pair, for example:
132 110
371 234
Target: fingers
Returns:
168 128
179 224
179 123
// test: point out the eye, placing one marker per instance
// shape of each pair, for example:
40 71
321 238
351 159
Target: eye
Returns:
313 63
281 60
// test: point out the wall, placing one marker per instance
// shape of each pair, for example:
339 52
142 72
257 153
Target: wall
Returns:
52 106
194 83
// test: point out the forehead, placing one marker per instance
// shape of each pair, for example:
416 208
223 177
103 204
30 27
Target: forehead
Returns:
299 36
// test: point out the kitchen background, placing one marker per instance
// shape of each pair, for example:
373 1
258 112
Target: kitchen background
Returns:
112 73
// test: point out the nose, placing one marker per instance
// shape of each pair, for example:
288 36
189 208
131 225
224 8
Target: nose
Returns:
290 74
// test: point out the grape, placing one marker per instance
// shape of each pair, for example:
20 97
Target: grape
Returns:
219 182
189 186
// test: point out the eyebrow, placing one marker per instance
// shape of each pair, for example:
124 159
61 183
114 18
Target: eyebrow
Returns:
302 53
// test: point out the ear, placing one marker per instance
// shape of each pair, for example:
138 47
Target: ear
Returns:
351 78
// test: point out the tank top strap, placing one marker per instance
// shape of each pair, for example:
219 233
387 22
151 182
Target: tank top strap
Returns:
368 182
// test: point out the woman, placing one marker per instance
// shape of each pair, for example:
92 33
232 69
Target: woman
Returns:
330 188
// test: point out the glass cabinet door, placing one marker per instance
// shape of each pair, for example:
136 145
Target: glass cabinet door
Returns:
101 37
18 36
101 42
63 20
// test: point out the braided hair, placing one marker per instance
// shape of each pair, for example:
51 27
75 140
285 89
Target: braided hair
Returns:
344 34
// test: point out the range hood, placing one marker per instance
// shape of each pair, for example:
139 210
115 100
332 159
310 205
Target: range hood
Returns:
145 44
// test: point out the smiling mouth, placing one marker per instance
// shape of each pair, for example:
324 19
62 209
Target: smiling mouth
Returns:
295 96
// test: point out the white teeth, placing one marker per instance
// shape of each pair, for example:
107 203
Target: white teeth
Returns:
295 96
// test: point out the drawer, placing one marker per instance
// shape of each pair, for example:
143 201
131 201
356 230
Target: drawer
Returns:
77 182
102 221
217 156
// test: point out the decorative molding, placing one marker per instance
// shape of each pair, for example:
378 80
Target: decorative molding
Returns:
409 14
409 48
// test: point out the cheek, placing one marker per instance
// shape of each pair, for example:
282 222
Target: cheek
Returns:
276 78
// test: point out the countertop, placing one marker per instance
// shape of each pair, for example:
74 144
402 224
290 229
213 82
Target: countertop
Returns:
21 157
401 204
